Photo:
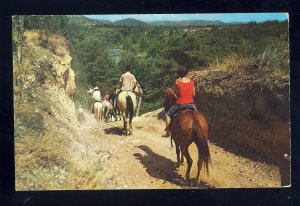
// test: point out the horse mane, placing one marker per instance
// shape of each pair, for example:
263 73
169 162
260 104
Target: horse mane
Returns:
168 91
170 98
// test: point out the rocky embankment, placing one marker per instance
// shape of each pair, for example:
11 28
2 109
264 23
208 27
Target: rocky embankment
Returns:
226 98
44 111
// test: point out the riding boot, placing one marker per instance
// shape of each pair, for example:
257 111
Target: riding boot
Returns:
166 133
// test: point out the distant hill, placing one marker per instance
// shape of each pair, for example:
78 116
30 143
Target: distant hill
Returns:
81 20
188 23
103 22
237 23
130 22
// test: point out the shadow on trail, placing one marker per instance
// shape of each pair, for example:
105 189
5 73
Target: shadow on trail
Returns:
160 167
114 130
249 153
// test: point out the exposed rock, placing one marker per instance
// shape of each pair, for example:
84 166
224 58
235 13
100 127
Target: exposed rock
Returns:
44 110
44 72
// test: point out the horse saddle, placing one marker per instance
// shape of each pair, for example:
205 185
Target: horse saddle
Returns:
98 100
178 112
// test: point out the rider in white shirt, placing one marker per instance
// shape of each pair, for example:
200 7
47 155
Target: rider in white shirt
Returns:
96 97
96 94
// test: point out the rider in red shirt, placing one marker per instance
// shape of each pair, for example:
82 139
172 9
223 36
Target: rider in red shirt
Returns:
186 93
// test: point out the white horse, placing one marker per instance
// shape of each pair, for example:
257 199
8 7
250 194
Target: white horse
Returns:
98 108
127 104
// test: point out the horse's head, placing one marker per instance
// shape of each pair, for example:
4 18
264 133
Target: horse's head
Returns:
90 91
266 101
170 98
138 90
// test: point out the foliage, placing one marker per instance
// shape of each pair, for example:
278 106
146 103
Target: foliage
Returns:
100 52
50 23
156 52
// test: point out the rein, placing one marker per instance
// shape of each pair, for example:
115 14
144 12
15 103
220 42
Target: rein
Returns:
173 93
170 91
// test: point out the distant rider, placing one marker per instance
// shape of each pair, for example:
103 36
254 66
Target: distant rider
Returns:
106 96
127 82
96 97
80 114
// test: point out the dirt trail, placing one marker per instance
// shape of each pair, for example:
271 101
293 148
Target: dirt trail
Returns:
145 160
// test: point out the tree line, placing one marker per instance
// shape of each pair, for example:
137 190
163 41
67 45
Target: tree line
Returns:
155 52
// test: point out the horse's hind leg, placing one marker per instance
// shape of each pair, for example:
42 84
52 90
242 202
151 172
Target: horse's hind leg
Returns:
130 125
125 123
177 154
107 115
199 163
189 160
182 159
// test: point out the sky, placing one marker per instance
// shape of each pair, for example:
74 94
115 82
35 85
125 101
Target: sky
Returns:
224 17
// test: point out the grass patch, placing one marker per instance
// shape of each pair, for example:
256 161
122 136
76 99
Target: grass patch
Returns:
150 106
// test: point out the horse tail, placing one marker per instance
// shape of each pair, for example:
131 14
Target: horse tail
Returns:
129 105
202 144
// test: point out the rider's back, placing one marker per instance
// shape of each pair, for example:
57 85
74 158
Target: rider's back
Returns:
128 81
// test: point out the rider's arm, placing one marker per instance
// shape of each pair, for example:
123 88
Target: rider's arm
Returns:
176 90
194 92
121 82
140 89
135 83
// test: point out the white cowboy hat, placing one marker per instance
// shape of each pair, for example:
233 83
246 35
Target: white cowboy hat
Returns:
96 88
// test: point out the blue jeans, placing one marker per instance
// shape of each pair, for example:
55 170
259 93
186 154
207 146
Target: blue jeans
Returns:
176 107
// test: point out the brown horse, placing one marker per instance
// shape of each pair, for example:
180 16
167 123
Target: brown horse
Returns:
188 127
273 109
